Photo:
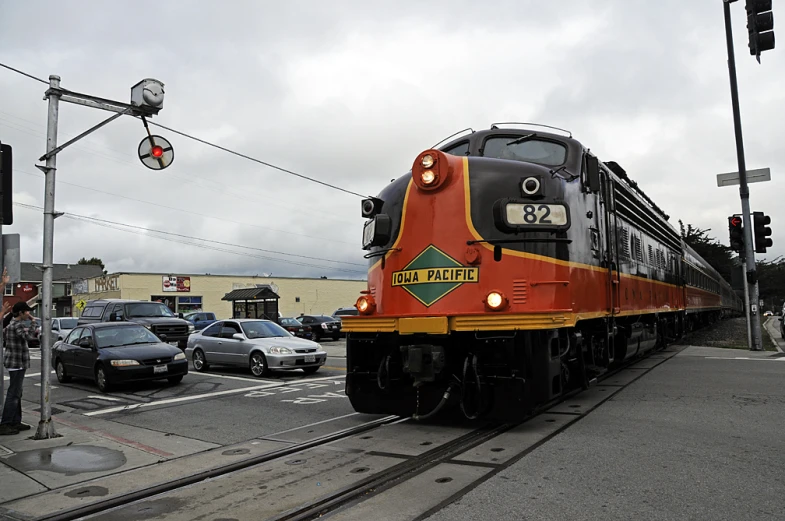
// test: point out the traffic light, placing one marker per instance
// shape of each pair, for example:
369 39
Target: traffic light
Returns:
760 26
736 228
762 231
6 182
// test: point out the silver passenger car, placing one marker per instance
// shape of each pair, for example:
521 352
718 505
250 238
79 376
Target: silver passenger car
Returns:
260 345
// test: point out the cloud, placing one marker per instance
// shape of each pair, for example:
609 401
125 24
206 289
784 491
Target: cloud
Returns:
348 93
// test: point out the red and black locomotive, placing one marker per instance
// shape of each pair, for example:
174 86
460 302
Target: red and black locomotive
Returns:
509 267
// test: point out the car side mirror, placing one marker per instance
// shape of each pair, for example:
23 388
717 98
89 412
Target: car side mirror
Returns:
593 173
113 316
162 336
238 336
179 315
84 342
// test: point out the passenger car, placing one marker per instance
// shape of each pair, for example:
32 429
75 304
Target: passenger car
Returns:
295 327
343 312
155 316
62 326
260 345
322 326
201 319
116 352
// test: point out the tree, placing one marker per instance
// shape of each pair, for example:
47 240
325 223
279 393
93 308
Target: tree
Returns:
719 256
95 261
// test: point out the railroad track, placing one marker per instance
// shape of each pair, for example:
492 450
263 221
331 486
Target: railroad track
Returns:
362 489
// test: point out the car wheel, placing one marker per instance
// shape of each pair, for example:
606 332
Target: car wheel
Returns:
199 361
100 379
259 365
310 370
175 379
62 376
316 337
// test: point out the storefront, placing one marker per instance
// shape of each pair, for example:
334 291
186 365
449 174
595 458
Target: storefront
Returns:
190 293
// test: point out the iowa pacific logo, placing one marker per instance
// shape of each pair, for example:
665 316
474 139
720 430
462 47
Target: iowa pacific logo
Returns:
433 274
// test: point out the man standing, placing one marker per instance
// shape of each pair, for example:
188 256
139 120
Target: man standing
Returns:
16 361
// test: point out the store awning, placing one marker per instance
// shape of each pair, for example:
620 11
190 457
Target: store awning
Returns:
251 294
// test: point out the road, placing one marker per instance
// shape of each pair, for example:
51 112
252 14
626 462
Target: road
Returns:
223 406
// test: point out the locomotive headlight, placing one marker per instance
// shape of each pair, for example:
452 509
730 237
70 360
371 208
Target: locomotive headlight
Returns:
427 161
496 301
428 177
365 305
377 231
530 185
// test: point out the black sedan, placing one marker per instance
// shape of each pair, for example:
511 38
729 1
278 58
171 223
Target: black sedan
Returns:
296 327
322 326
117 352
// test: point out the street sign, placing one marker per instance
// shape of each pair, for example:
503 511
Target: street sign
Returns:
156 152
81 304
758 175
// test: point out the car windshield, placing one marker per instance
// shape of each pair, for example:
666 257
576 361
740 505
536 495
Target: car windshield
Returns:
263 329
68 323
289 322
147 309
123 336
529 150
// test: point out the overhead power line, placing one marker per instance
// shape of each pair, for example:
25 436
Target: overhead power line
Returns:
176 237
208 143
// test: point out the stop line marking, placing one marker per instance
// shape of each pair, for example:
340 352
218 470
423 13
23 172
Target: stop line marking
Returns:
206 395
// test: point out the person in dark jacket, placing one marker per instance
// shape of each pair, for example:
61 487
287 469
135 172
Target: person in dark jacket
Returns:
16 362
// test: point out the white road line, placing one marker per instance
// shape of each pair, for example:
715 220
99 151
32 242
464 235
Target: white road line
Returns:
781 359
312 424
107 398
205 395
241 378
29 375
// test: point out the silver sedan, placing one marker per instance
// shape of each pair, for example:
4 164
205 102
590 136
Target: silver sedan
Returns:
260 345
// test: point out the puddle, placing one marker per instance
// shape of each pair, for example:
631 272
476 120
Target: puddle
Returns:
70 461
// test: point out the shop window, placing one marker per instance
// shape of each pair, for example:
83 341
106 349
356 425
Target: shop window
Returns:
297 299
9 290
189 304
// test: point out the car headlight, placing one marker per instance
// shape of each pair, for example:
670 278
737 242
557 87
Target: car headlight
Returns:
191 328
179 356
280 350
123 363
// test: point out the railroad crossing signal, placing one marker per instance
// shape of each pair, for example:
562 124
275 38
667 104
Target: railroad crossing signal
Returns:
762 231
156 152
736 229
760 26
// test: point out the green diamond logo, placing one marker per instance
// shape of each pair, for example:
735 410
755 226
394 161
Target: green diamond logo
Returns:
433 274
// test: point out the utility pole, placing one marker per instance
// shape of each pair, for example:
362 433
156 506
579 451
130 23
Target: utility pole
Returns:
155 152
744 191
46 428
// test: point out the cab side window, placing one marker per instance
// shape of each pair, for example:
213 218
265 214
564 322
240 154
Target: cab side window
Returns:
461 149
73 336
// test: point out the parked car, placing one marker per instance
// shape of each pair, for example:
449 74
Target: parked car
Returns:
768 314
61 326
155 316
35 323
342 312
260 345
201 319
322 325
295 327
117 352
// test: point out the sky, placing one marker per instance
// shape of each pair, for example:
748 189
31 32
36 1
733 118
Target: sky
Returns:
349 92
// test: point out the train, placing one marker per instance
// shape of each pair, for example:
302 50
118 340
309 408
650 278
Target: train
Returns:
511 266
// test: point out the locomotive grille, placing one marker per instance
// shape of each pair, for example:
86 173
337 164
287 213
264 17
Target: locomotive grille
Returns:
519 291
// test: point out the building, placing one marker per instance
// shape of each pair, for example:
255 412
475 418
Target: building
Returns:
28 289
187 293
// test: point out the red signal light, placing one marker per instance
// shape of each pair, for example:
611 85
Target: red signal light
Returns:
157 151
735 221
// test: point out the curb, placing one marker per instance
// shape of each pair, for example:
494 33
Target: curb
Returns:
771 335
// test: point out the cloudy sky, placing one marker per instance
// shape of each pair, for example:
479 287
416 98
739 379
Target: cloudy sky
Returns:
349 92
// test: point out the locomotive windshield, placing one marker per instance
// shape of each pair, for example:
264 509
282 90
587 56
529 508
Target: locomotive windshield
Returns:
524 148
